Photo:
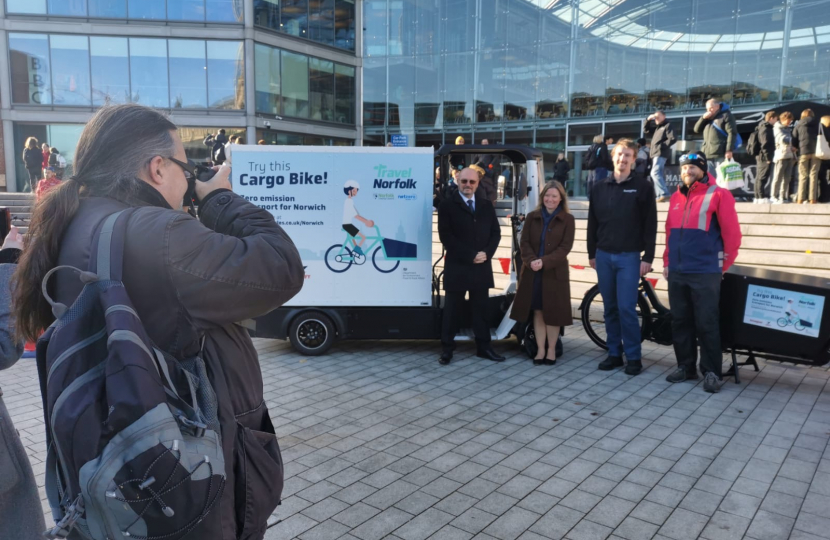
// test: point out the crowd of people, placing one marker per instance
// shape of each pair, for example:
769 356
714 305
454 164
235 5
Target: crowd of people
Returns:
621 239
191 280
40 158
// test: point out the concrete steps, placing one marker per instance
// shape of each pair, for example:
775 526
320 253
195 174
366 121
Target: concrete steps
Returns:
790 238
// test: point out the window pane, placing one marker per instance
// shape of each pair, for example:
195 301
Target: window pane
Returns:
226 74
67 7
374 91
374 27
401 91
552 94
294 84
70 70
65 137
459 25
458 88
267 13
590 80
808 64
267 73
29 63
321 22
583 134
344 24
344 94
26 6
519 83
321 86
188 85
186 10
295 17
113 9
224 10
489 105
427 90
147 9
110 70
148 72
626 80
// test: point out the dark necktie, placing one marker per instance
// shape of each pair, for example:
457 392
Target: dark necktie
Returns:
470 204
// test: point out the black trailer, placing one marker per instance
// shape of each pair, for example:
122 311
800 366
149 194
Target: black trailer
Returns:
775 315
313 329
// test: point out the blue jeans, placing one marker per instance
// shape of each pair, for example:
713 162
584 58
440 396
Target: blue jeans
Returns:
619 280
658 176
713 164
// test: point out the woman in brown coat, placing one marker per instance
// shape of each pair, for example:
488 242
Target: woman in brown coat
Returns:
544 285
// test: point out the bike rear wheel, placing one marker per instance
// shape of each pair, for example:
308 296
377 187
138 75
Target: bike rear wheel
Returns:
783 322
336 261
593 317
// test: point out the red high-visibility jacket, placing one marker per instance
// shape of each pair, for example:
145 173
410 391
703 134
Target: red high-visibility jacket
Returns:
702 230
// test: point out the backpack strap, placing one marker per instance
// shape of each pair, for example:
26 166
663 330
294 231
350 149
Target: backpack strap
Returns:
107 255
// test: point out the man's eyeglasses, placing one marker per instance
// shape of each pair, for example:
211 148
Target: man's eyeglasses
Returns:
687 157
465 181
189 168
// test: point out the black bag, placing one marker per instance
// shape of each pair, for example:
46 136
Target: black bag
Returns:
133 445
753 146
592 160
529 342
219 153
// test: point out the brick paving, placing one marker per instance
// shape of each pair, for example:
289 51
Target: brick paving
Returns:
379 441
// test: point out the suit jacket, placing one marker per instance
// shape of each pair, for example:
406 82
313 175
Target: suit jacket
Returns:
464 234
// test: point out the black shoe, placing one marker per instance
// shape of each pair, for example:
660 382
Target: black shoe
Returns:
633 367
539 361
680 374
549 362
711 383
610 363
490 354
446 356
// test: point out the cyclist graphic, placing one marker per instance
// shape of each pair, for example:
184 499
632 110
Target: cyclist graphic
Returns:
350 213
789 310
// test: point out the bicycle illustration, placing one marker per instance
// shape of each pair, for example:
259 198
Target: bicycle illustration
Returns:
784 322
385 251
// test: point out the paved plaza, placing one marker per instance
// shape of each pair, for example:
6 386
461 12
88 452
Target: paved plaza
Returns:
379 441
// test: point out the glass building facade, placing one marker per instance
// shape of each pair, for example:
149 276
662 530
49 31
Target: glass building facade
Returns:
282 72
554 73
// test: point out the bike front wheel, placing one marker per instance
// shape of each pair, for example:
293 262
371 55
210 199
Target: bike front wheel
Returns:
799 326
593 317
384 265
336 261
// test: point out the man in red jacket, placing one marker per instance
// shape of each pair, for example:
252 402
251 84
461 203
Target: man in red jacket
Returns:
702 241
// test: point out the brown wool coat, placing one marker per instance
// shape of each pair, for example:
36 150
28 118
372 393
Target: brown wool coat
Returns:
556 287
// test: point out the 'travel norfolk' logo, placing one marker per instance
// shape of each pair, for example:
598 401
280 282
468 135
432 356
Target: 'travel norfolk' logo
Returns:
402 178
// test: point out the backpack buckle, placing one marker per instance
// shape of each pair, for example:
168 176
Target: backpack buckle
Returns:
198 428
63 527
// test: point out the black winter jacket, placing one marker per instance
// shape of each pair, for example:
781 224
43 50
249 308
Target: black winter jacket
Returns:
766 138
190 279
33 158
662 138
805 136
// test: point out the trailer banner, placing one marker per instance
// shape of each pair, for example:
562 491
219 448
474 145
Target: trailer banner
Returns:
361 218
787 311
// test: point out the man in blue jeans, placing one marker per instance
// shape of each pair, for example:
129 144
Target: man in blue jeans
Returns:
622 225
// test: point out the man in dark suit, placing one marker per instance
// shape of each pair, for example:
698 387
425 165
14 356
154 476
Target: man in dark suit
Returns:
470 232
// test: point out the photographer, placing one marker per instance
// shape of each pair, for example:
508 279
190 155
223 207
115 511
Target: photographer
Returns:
189 280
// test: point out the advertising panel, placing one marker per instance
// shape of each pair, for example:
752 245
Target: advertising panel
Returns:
787 311
361 218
